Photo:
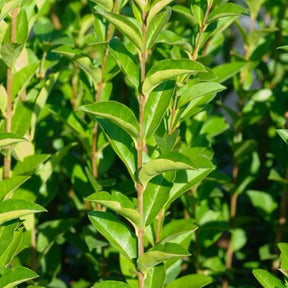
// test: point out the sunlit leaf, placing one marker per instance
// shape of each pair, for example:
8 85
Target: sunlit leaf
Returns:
191 281
156 7
7 139
227 70
111 284
266 279
283 133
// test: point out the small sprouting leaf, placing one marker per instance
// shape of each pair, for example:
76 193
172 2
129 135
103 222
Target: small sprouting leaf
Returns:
116 112
119 203
225 10
14 208
227 70
169 68
266 279
159 254
126 26
12 277
166 162
156 106
156 27
283 133
156 7
111 284
126 61
191 281
122 144
117 233
7 139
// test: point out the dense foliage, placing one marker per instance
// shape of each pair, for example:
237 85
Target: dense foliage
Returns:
143 143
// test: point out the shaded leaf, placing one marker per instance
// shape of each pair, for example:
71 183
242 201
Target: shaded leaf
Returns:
117 233
155 278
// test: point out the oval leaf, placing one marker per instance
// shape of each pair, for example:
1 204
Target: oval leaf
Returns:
126 26
159 254
267 280
116 112
169 68
117 233
126 61
111 284
119 203
156 7
191 281
15 208
168 162
7 139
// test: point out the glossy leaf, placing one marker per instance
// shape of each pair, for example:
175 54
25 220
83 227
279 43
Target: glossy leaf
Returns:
166 162
159 254
9 185
227 70
116 112
7 139
156 195
126 61
156 7
122 144
266 279
14 208
155 278
156 106
126 26
283 133
169 68
117 233
156 26
119 203
191 281
10 278
225 10
111 284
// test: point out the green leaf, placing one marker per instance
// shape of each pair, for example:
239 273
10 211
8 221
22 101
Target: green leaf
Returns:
155 8
106 4
156 106
10 278
117 233
283 133
227 70
191 281
254 6
185 13
30 164
156 27
126 26
7 139
10 52
126 61
197 92
22 29
283 47
111 284
156 195
166 162
14 208
122 144
23 77
155 277
225 10
284 258
169 68
266 279
82 61
159 254
119 203
9 185
116 112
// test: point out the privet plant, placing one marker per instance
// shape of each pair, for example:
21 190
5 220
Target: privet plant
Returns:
112 125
